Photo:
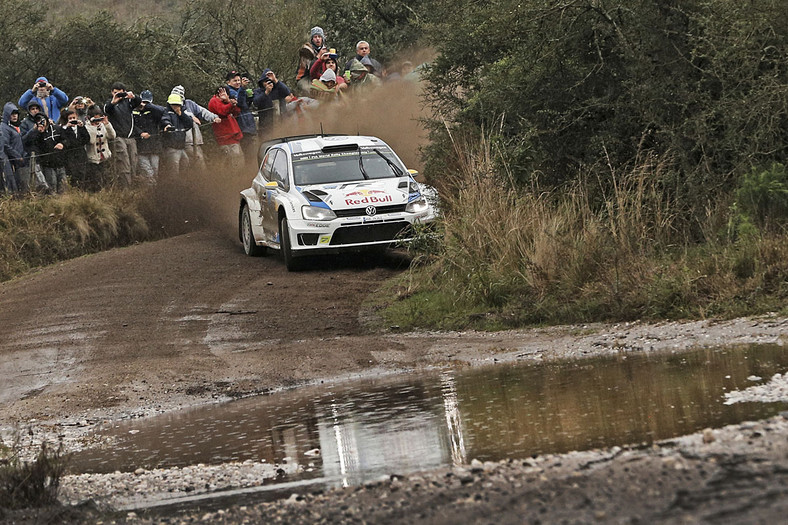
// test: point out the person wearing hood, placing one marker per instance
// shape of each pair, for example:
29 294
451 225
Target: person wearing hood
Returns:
147 118
50 98
26 127
51 142
270 98
16 169
324 89
174 124
358 75
307 56
194 138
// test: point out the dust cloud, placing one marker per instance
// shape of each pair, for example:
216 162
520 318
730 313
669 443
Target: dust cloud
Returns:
196 200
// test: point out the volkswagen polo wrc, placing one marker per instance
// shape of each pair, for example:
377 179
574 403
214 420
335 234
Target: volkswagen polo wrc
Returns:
330 193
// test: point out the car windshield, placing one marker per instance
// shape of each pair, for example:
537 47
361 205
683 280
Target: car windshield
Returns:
346 166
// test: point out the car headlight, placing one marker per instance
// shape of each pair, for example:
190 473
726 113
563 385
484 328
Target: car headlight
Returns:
417 206
313 213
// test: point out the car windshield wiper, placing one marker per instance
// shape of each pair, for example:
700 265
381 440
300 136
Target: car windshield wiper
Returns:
361 165
396 169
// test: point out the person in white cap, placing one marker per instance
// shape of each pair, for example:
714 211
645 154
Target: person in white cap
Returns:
194 138
174 124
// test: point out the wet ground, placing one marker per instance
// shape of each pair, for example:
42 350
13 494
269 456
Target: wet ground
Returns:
356 433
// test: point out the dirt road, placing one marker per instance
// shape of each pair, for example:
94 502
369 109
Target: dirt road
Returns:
167 324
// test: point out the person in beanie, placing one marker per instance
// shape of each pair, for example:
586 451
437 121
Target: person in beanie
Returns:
227 132
51 142
101 133
119 110
306 57
174 124
50 98
194 138
147 118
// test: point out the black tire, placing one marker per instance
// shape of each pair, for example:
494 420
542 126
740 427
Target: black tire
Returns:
247 237
292 263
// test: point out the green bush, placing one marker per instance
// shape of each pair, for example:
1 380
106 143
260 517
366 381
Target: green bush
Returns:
762 196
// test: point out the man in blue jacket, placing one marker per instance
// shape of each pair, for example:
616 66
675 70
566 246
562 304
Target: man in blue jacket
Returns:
50 98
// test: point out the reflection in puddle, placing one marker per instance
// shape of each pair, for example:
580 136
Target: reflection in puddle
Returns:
371 428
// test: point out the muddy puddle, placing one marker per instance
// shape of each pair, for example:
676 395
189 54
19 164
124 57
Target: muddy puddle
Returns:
356 432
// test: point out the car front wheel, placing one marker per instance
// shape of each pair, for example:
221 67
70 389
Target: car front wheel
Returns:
247 236
291 262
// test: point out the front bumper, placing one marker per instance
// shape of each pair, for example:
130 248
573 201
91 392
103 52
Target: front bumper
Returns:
354 232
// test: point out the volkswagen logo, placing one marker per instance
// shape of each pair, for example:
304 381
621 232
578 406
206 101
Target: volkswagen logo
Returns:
371 210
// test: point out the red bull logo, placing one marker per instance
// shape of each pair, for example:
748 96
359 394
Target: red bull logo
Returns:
364 197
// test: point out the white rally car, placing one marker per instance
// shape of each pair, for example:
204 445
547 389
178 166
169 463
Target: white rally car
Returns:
330 193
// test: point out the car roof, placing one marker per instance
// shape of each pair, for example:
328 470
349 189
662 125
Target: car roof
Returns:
310 143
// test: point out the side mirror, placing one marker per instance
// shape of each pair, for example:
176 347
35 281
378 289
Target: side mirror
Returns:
417 176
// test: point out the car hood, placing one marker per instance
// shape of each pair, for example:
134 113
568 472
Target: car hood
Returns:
348 195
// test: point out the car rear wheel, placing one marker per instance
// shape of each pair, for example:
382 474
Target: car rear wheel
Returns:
247 237
292 263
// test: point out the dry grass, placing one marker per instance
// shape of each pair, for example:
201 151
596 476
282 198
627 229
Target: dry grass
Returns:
42 230
532 257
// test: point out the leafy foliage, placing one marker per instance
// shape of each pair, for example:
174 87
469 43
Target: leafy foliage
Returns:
762 196
579 85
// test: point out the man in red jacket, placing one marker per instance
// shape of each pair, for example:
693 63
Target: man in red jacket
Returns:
227 132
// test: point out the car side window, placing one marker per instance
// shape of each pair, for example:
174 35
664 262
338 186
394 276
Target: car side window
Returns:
280 170
268 164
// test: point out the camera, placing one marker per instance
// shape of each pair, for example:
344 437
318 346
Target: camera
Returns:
97 119
73 122
42 84
121 94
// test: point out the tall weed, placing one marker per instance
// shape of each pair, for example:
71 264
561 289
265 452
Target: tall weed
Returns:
530 256
38 231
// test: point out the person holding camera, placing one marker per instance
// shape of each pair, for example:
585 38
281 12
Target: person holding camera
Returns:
98 150
50 98
35 176
120 112
76 138
147 118
80 105
271 90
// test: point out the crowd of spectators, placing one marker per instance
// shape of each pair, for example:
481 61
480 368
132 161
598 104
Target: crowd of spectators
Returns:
48 144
